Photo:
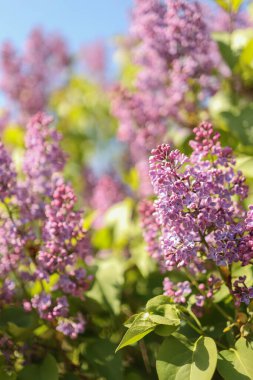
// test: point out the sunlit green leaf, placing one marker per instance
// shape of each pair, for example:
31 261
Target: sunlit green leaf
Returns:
236 363
108 284
140 327
230 5
179 359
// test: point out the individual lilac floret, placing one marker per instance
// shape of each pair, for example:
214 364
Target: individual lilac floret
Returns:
47 308
241 291
178 292
197 194
71 327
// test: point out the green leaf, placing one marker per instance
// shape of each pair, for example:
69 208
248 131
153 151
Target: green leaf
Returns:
17 322
165 330
70 376
160 320
119 217
47 370
108 284
240 124
179 359
227 54
157 301
236 363
230 5
101 356
5 376
17 316
140 327
130 320
245 165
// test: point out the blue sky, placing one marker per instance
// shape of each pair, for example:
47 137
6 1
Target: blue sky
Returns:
78 20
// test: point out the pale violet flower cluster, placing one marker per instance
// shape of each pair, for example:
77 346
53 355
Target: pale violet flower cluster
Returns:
198 210
41 232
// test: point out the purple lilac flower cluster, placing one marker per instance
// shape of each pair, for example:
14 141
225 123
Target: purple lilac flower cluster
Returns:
171 43
93 58
43 157
103 193
199 211
41 233
27 78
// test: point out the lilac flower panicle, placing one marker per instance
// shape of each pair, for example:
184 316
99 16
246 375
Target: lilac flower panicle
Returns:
171 44
201 194
41 232
178 292
241 291
63 224
71 327
195 194
27 77
43 157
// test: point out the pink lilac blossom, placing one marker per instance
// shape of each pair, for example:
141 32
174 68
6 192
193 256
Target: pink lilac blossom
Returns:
93 56
196 194
63 233
241 291
41 232
178 292
201 194
71 327
46 307
105 191
246 243
44 159
171 44
223 21
151 230
43 163
28 77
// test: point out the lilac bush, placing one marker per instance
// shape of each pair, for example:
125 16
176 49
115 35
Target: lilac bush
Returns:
165 242
200 233
42 239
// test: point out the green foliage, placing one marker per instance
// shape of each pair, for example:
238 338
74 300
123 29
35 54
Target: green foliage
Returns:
179 359
230 5
159 316
47 370
236 363
6 376
108 284
102 359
